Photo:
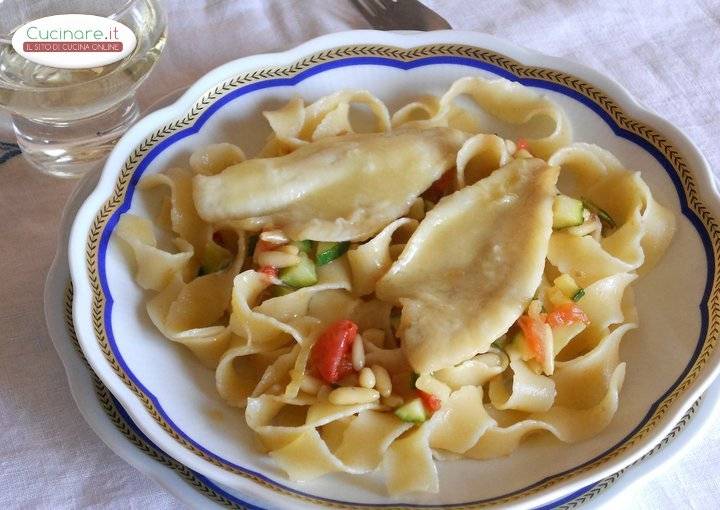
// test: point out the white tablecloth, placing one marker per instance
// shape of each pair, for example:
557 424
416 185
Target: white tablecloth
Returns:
666 53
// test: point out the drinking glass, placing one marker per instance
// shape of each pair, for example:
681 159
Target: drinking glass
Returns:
67 120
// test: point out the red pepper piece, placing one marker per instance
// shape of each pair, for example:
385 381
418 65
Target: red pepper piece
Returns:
567 313
532 331
430 401
331 353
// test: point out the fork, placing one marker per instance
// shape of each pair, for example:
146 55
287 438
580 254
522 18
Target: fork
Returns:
400 15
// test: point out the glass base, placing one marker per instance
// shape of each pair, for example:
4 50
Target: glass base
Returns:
73 147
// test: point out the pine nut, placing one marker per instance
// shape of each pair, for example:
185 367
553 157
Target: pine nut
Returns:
310 384
277 259
274 236
393 401
382 380
358 353
374 336
289 248
354 395
366 378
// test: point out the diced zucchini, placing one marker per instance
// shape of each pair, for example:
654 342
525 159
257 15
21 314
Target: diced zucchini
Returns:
578 295
604 216
567 212
413 411
281 290
305 246
327 252
591 224
567 285
302 274
215 258
556 297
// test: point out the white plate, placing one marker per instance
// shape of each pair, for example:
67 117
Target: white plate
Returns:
112 424
671 359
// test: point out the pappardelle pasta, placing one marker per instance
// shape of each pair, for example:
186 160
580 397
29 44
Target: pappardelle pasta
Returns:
426 291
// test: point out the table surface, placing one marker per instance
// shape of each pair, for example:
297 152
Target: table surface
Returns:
664 52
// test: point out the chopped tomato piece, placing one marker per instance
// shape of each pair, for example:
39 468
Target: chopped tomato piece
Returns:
430 401
331 353
438 188
566 313
532 328
521 143
270 271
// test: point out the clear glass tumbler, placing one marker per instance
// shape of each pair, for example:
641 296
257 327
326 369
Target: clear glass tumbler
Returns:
67 120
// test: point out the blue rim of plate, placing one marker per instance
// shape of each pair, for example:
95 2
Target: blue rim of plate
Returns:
122 421
136 164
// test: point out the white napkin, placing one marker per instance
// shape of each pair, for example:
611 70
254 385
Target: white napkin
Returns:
666 53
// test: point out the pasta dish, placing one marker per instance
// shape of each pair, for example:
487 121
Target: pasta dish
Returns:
423 291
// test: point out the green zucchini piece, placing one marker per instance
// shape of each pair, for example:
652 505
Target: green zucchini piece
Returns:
413 411
302 274
567 212
578 295
305 246
604 216
327 252
216 258
566 284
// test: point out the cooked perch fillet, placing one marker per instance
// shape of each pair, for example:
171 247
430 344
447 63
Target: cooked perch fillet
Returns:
336 189
473 264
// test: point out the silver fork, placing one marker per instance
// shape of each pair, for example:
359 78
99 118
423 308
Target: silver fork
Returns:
400 15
